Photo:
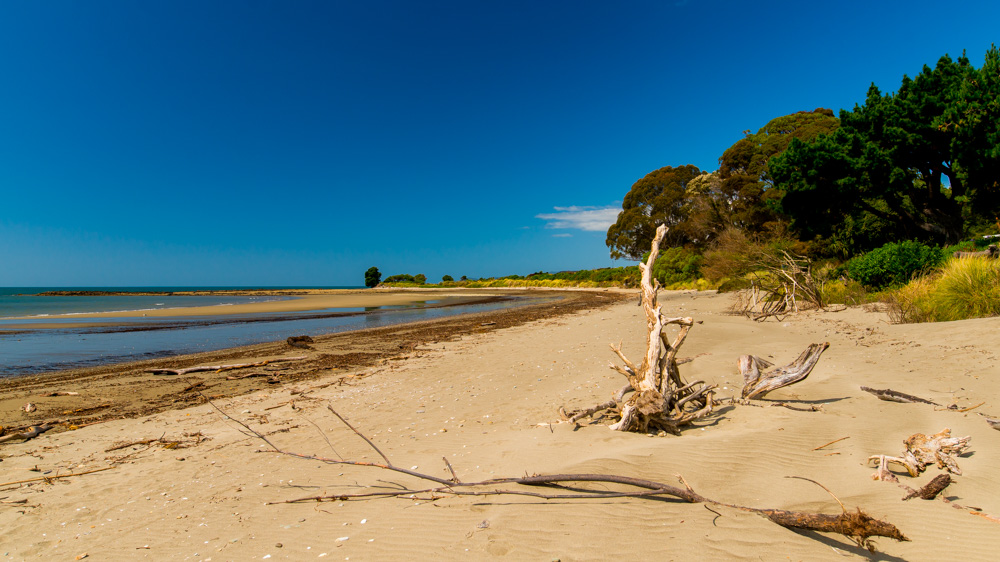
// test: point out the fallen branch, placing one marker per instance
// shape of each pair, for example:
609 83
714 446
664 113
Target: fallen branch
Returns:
856 526
47 478
930 490
220 368
28 434
890 395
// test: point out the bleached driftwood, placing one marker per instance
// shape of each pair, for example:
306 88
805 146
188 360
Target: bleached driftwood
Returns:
991 252
660 398
890 395
28 434
220 368
923 450
757 383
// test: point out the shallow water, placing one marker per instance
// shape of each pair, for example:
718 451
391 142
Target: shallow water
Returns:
25 301
43 350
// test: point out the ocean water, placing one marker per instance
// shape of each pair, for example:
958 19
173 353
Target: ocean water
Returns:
30 351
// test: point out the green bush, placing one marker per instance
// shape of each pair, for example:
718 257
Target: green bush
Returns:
401 278
677 265
893 264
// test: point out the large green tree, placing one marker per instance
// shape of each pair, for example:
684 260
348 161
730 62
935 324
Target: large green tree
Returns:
920 163
660 197
746 197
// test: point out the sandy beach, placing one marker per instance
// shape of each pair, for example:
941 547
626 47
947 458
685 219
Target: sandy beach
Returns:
176 480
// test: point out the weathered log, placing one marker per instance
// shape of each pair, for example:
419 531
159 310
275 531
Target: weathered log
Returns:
220 368
27 435
857 525
991 252
890 395
757 383
932 488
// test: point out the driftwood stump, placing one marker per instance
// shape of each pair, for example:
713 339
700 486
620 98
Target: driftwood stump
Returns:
661 399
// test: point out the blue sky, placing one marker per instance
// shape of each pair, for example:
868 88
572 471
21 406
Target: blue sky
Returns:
299 143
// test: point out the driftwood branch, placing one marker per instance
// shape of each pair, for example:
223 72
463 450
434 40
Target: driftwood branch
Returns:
856 526
220 368
924 450
930 490
890 395
757 383
28 434
48 478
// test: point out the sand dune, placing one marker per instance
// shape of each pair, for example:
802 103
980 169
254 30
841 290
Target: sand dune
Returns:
479 401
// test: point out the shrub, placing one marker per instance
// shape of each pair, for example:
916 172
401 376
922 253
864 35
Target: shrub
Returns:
964 288
447 279
967 288
676 265
401 278
893 264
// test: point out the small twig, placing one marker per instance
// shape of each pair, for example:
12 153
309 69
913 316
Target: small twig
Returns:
452 470
359 434
713 511
844 509
831 443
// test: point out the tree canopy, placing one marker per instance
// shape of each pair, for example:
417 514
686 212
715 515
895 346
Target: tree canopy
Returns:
920 163
658 198
372 277
746 196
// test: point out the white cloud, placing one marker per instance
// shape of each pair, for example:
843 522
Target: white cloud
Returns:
562 235
593 219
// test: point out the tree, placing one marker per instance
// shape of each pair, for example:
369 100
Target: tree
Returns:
922 163
447 279
660 197
420 278
372 277
746 197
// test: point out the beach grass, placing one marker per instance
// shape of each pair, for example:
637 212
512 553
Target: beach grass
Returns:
962 288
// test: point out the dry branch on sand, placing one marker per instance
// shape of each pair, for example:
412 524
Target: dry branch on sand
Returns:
921 451
28 434
220 368
857 525
890 395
